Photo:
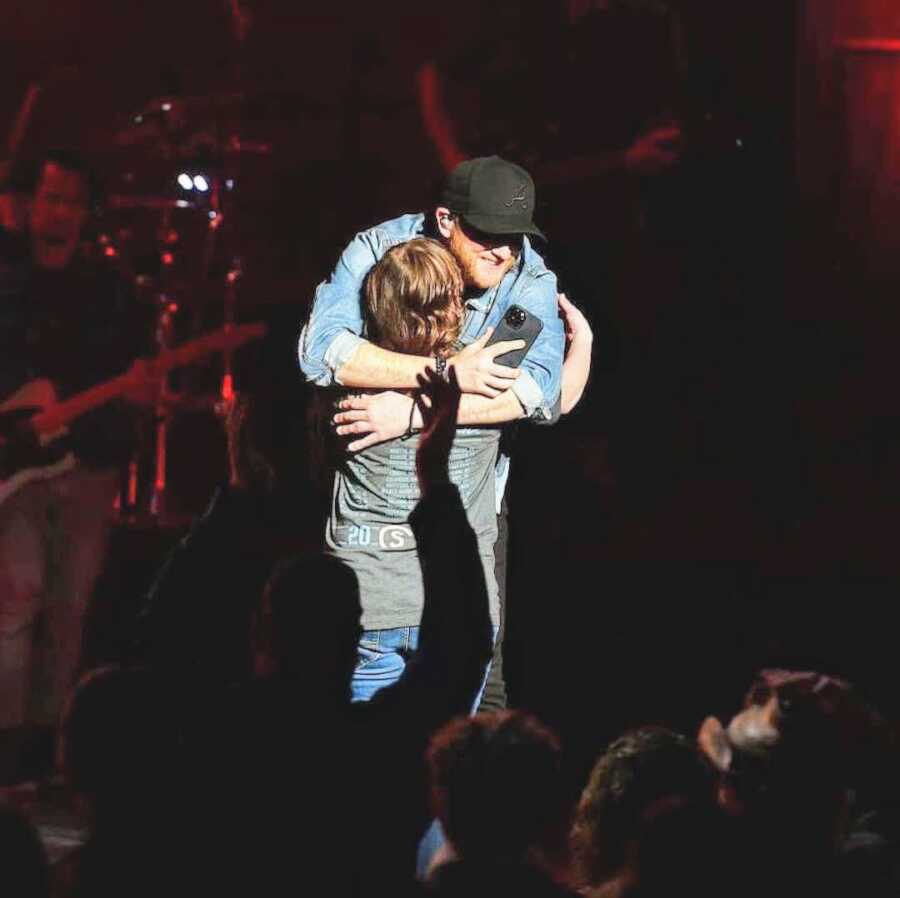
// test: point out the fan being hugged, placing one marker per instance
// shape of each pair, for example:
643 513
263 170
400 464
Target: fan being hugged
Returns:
413 303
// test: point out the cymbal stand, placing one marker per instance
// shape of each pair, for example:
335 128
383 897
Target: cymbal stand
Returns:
166 310
229 315
242 21
217 218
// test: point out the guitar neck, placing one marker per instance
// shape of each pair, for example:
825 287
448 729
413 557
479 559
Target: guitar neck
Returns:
61 413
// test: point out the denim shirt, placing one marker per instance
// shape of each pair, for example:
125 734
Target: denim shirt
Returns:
335 327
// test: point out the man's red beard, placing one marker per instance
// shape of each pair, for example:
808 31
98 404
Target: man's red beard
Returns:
477 271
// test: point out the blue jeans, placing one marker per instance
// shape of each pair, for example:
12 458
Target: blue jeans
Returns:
382 657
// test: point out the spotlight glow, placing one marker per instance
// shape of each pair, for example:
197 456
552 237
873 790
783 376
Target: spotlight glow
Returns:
200 183
185 182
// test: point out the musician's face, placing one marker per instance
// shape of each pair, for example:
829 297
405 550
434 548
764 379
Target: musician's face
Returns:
483 259
59 209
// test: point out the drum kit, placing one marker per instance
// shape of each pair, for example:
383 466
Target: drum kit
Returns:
203 195
168 225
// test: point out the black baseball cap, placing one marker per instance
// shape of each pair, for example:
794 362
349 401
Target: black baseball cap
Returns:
493 196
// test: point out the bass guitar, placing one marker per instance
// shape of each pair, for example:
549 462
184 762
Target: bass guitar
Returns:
33 422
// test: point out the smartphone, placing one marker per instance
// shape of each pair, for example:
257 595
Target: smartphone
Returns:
516 324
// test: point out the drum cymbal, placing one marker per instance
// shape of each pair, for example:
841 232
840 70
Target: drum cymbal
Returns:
155 203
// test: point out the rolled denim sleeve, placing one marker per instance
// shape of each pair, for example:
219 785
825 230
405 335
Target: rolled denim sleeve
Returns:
538 385
335 326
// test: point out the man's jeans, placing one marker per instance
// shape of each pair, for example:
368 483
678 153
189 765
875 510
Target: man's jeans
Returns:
493 697
382 658
53 540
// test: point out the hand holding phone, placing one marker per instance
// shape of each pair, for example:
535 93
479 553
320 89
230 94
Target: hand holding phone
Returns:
516 324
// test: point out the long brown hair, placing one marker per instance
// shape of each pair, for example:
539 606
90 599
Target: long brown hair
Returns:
413 299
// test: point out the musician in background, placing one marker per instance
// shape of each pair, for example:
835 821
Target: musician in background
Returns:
75 323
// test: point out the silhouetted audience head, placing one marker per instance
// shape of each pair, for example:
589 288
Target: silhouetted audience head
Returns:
24 872
120 744
645 816
308 627
790 755
796 724
497 788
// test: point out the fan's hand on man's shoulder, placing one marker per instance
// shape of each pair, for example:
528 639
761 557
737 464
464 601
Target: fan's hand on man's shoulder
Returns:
578 329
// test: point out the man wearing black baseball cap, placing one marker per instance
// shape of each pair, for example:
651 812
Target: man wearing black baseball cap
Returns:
491 202
492 195
485 217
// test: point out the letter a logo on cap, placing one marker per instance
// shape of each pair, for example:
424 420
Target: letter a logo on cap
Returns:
521 196
492 195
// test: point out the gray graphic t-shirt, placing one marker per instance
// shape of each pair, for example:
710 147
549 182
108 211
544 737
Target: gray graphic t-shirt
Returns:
368 528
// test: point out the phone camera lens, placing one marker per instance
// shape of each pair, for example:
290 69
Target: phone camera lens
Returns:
515 318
